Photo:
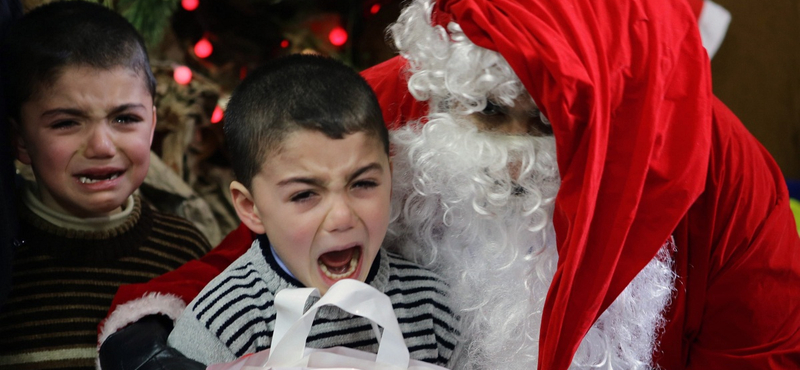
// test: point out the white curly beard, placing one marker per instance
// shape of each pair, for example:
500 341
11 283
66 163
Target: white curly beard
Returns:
490 235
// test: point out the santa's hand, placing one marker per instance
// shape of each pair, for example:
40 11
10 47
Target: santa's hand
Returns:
143 346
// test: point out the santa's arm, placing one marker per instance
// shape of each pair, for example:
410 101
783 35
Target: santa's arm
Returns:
743 305
134 333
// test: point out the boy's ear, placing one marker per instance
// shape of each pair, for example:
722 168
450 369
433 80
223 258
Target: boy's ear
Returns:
19 143
246 207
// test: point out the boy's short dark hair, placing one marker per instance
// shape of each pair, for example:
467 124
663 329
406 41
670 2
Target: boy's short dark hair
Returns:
64 34
297 92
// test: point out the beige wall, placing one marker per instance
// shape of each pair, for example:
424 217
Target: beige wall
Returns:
756 72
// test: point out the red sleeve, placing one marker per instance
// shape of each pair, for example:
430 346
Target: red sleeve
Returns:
169 293
738 262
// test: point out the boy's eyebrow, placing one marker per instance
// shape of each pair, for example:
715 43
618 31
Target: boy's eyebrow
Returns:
78 112
125 107
367 168
70 111
303 180
319 183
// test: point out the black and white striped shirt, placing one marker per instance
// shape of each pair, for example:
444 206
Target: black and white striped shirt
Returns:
234 314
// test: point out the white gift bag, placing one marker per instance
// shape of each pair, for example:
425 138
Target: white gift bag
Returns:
292 327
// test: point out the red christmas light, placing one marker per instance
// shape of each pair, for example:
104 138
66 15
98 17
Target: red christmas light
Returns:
338 36
190 4
217 115
375 8
182 75
203 48
285 43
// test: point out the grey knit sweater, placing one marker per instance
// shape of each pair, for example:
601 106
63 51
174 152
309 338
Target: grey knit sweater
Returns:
234 314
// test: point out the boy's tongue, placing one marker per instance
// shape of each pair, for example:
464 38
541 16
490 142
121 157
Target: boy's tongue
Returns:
338 262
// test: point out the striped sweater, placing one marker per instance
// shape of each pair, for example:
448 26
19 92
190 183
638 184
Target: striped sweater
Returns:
234 314
64 280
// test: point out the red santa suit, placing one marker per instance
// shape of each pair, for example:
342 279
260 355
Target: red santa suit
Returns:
645 152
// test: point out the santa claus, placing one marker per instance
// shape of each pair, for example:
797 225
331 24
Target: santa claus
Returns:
565 165
479 207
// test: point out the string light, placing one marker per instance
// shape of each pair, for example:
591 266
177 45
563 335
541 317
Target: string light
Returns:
182 75
338 36
217 115
375 8
190 4
203 48
285 43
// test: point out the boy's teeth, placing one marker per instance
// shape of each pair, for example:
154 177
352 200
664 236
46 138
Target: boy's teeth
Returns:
351 268
88 180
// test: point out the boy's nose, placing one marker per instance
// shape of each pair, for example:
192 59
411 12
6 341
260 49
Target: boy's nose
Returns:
100 143
341 216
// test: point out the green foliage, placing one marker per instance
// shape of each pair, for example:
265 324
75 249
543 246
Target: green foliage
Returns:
150 17
107 3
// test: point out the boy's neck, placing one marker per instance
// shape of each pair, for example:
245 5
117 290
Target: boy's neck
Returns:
66 221
279 261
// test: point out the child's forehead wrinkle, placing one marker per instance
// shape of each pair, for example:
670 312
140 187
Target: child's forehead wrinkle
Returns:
313 181
66 111
76 110
294 165
371 167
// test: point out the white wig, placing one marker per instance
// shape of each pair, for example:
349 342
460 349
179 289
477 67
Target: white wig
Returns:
446 68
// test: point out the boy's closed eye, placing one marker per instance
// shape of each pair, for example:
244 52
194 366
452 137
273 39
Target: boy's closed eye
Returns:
302 196
124 119
365 184
63 124
128 118
306 195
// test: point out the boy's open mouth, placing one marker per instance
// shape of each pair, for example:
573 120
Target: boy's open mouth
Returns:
341 264
86 178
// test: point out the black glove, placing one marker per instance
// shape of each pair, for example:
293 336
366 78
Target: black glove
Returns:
143 346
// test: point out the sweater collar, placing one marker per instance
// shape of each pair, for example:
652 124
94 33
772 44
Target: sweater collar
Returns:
66 221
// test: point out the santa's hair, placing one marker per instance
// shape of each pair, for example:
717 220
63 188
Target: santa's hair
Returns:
446 68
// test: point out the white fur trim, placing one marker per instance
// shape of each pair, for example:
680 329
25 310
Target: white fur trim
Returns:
130 312
713 23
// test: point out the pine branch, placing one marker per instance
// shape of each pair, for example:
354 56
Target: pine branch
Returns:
150 17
